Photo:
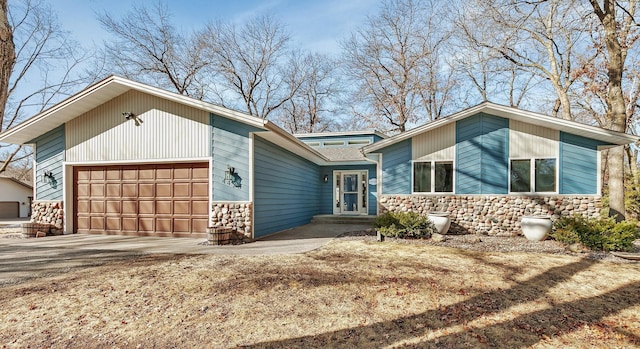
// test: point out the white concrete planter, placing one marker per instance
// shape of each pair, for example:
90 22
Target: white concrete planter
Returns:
536 228
441 220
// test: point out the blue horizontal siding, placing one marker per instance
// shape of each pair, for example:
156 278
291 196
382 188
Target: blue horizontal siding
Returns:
578 164
326 189
396 168
230 147
49 155
482 155
286 189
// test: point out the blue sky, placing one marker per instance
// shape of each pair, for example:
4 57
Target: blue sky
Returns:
316 25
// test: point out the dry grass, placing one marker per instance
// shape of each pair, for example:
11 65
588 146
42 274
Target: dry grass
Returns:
345 295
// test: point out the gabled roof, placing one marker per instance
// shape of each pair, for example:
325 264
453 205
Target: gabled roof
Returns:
604 135
2 177
98 94
113 86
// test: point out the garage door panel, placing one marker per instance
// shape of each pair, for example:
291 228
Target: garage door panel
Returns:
97 223
181 225
199 224
130 190
160 199
145 224
83 189
200 173
181 207
129 207
96 189
146 173
146 207
97 207
113 224
163 207
113 190
164 173
147 190
163 190
200 190
181 190
182 173
83 223
199 207
129 224
164 225
97 173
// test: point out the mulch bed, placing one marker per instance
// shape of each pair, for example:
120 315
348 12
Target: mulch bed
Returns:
504 244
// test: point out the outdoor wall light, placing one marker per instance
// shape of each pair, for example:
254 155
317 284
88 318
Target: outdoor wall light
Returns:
131 116
47 177
325 178
229 174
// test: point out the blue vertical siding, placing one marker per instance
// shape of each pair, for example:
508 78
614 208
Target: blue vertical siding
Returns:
396 168
286 189
482 155
49 155
578 164
230 147
326 189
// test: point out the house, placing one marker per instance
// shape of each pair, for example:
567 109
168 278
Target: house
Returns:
121 157
15 198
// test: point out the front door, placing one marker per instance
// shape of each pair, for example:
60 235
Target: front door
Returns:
350 192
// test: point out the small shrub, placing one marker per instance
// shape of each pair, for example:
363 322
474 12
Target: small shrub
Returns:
404 225
385 220
602 234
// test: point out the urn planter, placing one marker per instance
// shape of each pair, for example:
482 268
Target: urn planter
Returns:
536 228
441 220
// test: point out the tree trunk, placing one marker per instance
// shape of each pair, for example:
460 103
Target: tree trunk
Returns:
616 106
7 58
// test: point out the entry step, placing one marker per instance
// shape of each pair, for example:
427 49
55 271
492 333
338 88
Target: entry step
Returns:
343 219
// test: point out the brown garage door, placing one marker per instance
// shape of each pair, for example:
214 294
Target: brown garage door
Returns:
9 209
159 199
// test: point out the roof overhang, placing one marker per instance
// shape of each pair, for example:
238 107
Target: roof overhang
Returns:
287 141
604 135
341 134
100 93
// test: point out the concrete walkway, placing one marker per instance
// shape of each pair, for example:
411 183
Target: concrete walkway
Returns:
22 259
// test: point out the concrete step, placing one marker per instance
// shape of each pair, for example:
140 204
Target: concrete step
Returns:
343 219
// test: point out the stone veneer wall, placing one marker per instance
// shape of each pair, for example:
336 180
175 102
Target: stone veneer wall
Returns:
492 215
48 212
232 215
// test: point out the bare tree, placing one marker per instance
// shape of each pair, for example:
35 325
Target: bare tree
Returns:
394 60
619 33
149 48
542 37
248 61
7 57
34 48
313 106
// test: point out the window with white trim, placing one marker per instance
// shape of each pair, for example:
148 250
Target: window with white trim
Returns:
433 177
533 175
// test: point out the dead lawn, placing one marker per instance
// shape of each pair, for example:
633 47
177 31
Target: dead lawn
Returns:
348 294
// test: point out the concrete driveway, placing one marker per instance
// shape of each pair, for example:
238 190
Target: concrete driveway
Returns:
22 259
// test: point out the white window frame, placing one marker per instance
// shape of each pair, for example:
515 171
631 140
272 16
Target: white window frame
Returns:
433 175
532 174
